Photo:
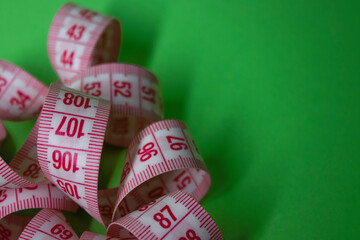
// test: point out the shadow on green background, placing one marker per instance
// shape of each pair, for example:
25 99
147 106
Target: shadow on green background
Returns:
269 89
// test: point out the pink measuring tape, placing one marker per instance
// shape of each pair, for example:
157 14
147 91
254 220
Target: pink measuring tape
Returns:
164 175
21 95
173 216
79 38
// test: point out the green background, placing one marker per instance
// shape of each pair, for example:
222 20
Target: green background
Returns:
269 90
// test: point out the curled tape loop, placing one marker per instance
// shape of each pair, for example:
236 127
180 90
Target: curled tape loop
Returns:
173 216
79 38
24 169
161 159
48 221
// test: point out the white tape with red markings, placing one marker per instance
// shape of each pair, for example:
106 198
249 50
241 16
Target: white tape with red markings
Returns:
134 93
163 175
24 169
41 196
21 95
71 133
80 38
48 224
173 216
161 159
164 153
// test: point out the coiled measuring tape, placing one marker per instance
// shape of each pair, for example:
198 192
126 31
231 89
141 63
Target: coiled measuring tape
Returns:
57 168
23 170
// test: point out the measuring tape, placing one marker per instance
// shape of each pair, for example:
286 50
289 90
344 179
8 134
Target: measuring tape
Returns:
41 196
21 95
134 94
164 175
71 118
71 132
173 216
23 170
79 38
48 224
161 159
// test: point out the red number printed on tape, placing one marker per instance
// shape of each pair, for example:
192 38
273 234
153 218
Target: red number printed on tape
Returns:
171 166
21 95
24 169
41 196
79 38
173 216
48 224
71 132
20 190
134 94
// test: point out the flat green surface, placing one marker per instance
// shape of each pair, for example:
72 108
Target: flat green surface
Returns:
269 90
